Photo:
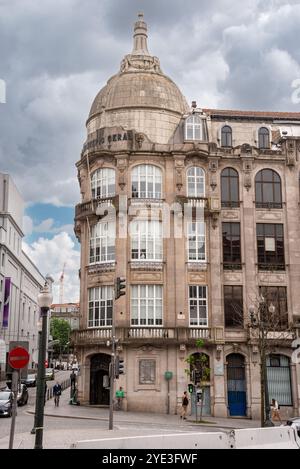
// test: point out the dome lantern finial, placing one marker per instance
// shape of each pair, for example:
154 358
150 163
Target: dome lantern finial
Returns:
140 37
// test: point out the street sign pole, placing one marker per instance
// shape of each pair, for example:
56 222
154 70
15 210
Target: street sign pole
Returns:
112 370
18 358
14 388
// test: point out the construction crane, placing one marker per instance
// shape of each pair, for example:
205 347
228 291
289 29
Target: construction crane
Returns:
61 285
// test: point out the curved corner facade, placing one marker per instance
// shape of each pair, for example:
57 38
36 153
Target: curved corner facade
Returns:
199 210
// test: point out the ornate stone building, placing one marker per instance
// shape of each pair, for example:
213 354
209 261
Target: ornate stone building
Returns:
188 277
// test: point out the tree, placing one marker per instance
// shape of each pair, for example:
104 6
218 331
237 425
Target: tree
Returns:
60 330
267 329
199 373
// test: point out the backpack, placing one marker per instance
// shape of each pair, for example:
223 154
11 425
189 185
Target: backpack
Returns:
185 401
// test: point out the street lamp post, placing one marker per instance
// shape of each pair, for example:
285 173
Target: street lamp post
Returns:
258 321
44 301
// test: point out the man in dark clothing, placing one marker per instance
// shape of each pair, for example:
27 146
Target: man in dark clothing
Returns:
57 393
73 382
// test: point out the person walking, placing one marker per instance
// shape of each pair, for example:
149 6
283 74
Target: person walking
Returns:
73 378
184 405
120 396
57 393
275 411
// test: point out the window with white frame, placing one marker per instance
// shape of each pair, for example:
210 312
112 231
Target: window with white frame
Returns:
195 182
146 240
146 305
196 240
103 183
100 306
102 242
146 181
193 128
198 305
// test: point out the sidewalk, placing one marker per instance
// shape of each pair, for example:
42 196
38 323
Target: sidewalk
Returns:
146 424
66 410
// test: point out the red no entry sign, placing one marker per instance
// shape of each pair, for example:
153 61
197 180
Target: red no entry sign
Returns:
18 358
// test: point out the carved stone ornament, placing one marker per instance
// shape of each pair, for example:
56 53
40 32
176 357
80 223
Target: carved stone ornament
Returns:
139 138
213 165
291 153
213 181
247 181
179 168
140 62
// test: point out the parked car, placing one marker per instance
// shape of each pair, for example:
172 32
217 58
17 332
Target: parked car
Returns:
30 381
294 423
22 398
49 374
6 401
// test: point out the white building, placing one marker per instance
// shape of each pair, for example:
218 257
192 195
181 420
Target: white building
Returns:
20 321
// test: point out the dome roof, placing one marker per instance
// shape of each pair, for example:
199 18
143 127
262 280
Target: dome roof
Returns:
139 89
138 94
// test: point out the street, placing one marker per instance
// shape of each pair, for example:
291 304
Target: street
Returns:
67 424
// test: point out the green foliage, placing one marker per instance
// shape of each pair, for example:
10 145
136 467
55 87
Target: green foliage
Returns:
60 330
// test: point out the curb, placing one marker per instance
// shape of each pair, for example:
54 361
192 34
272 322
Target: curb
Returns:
209 425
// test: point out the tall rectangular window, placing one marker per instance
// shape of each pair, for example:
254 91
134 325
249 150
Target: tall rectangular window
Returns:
276 296
147 371
100 306
198 305
231 246
146 305
196 241
270 246
233 305
146 240
102 242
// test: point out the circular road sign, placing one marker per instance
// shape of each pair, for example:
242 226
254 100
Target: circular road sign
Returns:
18 358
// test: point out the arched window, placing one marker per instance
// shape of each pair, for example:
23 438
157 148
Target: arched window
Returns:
263 138
279 379
230 188
268 189
226 136
193 128
195 182
103 183
146 182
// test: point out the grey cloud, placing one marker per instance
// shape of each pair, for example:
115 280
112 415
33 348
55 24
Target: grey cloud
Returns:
56 55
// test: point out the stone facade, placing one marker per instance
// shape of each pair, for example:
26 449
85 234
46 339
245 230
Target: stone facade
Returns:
132 132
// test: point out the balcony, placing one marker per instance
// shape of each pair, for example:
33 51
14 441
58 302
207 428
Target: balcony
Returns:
130 335
194 202
96 207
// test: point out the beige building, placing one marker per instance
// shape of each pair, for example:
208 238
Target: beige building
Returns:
69 312
199 210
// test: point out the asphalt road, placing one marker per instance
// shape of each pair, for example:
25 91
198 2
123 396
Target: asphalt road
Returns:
24 421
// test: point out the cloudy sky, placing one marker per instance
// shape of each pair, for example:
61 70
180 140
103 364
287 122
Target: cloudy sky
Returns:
57 54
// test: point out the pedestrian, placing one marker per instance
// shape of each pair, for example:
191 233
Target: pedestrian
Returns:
275 411
120 396
73 378
57 393
184 405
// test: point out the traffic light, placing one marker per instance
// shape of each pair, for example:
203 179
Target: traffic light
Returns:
119 367
120 285
191 388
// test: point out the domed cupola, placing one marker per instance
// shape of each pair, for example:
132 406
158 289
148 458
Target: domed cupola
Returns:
140 97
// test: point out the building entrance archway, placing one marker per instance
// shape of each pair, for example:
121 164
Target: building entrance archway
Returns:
99 394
